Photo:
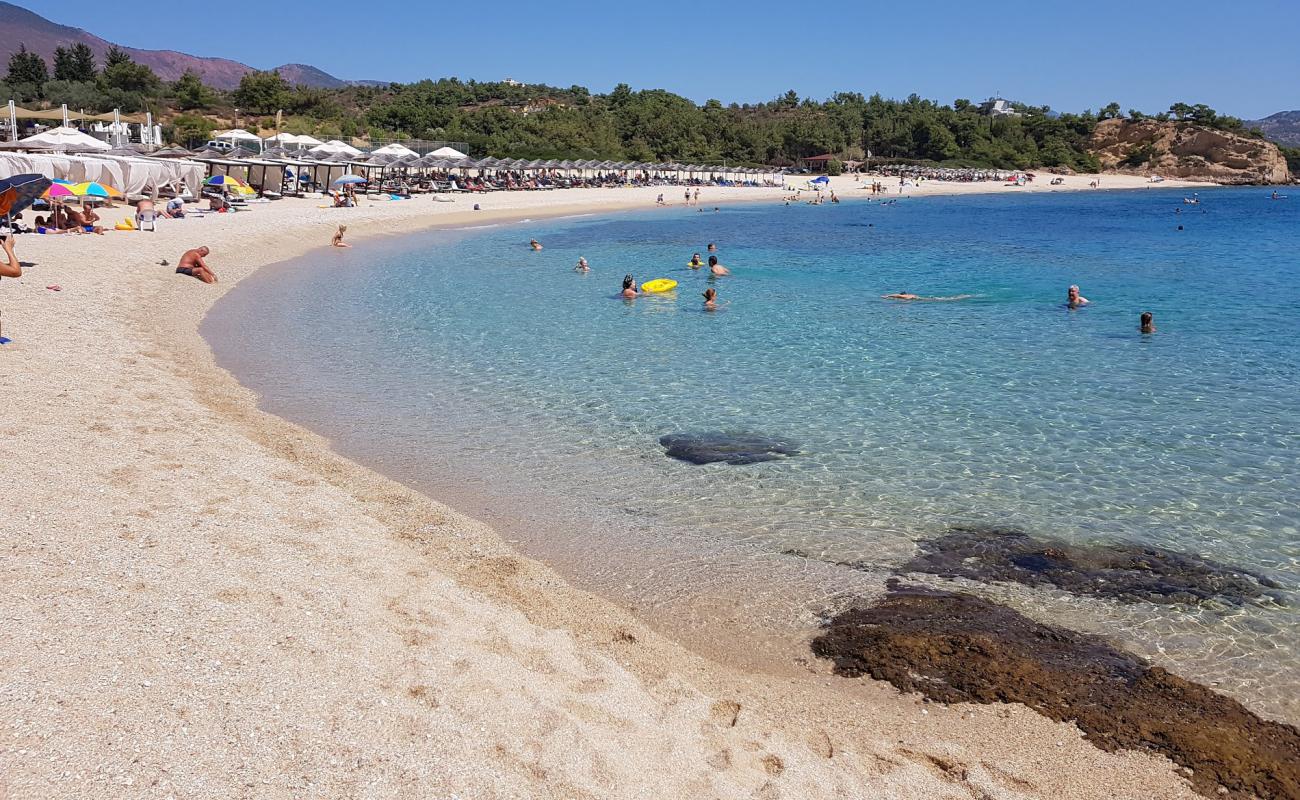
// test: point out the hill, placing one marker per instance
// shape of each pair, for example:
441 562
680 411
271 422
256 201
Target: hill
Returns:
41 36
1186 150
1282 127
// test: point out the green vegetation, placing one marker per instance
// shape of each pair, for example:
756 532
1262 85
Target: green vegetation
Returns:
537 121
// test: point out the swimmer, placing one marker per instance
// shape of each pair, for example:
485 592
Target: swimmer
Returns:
712 248
337 241
629 288
533 243
1147 323
582 265
710 299
901 296
717 269
1073 299
910 296
696 262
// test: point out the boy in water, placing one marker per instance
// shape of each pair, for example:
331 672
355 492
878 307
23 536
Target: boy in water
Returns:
1147 323
717 269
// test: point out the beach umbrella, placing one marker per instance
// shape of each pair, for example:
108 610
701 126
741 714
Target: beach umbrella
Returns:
396 149
96 189
449 152
20 191
224 180
58 189
348 179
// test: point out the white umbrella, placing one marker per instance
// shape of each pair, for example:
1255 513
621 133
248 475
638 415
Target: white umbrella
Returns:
284 138
335 146
237 134
449 152
395 149
305 140
66 138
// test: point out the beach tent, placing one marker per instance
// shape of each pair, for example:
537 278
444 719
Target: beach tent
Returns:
395 149
66 139
308 141
449 152
282 139
238 135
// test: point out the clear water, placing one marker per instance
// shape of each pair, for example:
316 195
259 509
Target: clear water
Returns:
496 377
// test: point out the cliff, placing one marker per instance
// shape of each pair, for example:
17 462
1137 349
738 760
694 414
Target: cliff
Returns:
1186 151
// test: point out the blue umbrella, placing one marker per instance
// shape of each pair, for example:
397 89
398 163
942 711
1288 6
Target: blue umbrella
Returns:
349 179
19 191
822 179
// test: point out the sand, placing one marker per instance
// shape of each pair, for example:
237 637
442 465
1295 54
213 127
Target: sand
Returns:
203 601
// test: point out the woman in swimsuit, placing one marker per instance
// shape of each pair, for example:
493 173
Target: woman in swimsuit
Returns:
710 299
629 287
696 262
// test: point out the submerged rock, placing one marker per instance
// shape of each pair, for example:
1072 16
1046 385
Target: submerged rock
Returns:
1125 572
958 648
726 448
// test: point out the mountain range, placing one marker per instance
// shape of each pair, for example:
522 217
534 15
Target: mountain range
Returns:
1282 127
21 27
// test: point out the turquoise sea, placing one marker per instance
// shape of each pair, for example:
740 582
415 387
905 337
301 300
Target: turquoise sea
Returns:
500 380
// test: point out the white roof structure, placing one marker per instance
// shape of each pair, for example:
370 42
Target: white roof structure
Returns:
283 138
305 140
70 138
237 134
396 149
448 152
335 146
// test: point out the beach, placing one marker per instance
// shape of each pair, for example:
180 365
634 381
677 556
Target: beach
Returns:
204 600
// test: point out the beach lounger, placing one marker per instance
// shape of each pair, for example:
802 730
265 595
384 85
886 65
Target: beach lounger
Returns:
145 220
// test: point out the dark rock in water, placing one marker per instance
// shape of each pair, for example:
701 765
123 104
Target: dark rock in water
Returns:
727 448
958 648
1125 572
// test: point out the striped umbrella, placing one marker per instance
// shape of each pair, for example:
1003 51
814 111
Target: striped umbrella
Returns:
58 189
224 180
95 189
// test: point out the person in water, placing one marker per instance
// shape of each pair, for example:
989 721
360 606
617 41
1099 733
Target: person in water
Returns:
192 264
710 299
901 296
696 262
717 269
582 265
1147 323
713 248
1073 299
629 287
337 240
533 243
910 296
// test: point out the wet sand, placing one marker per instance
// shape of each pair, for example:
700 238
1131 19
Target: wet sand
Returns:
203 600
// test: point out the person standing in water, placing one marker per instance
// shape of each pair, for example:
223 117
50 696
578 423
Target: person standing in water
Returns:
696 262
582 265
717 269
710 299
1073 299
533 243
713 248
629 287
1147 323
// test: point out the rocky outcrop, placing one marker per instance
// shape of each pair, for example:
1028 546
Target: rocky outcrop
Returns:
1187 151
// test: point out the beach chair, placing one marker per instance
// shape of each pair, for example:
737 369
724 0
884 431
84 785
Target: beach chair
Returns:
145 220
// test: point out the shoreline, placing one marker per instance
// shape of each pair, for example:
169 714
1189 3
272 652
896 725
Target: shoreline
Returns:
365 634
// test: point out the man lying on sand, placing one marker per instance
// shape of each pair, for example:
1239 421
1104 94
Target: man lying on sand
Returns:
192 264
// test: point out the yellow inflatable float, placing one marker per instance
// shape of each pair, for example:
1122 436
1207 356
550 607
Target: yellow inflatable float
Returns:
659 285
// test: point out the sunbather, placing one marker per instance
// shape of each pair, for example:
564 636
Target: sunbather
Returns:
192 264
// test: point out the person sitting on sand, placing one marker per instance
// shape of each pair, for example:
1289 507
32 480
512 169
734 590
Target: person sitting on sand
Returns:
696 262
582 266
48 227
175 208
710 299
1073 299
337 239
1147 323
533 243
717 269
11 267
629 287
192 264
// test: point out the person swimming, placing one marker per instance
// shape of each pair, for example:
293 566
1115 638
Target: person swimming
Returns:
901 296
910 296
1147 323
712 248
710 299
717 269
696 262
1073 299
533 243
582 265
629 287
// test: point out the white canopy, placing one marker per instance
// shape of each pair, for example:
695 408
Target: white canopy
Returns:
237 134
395 149
133 175
448 152
305 140
335 146
67 137
283 138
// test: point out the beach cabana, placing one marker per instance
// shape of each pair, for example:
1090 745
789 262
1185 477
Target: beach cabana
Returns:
68 139
334 147
396 149
449 152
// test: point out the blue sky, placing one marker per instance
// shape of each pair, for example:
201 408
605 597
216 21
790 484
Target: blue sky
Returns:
1240 58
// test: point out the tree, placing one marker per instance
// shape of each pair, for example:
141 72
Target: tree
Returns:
191 129
1135 115
1111 111
26 69
1180 110
121 73
190 92
261 92
76 63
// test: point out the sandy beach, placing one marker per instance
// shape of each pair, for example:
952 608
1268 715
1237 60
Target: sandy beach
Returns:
203 600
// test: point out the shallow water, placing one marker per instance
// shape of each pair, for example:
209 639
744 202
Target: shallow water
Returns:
469 366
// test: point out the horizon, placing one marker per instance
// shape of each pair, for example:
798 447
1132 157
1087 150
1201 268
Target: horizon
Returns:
539 50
